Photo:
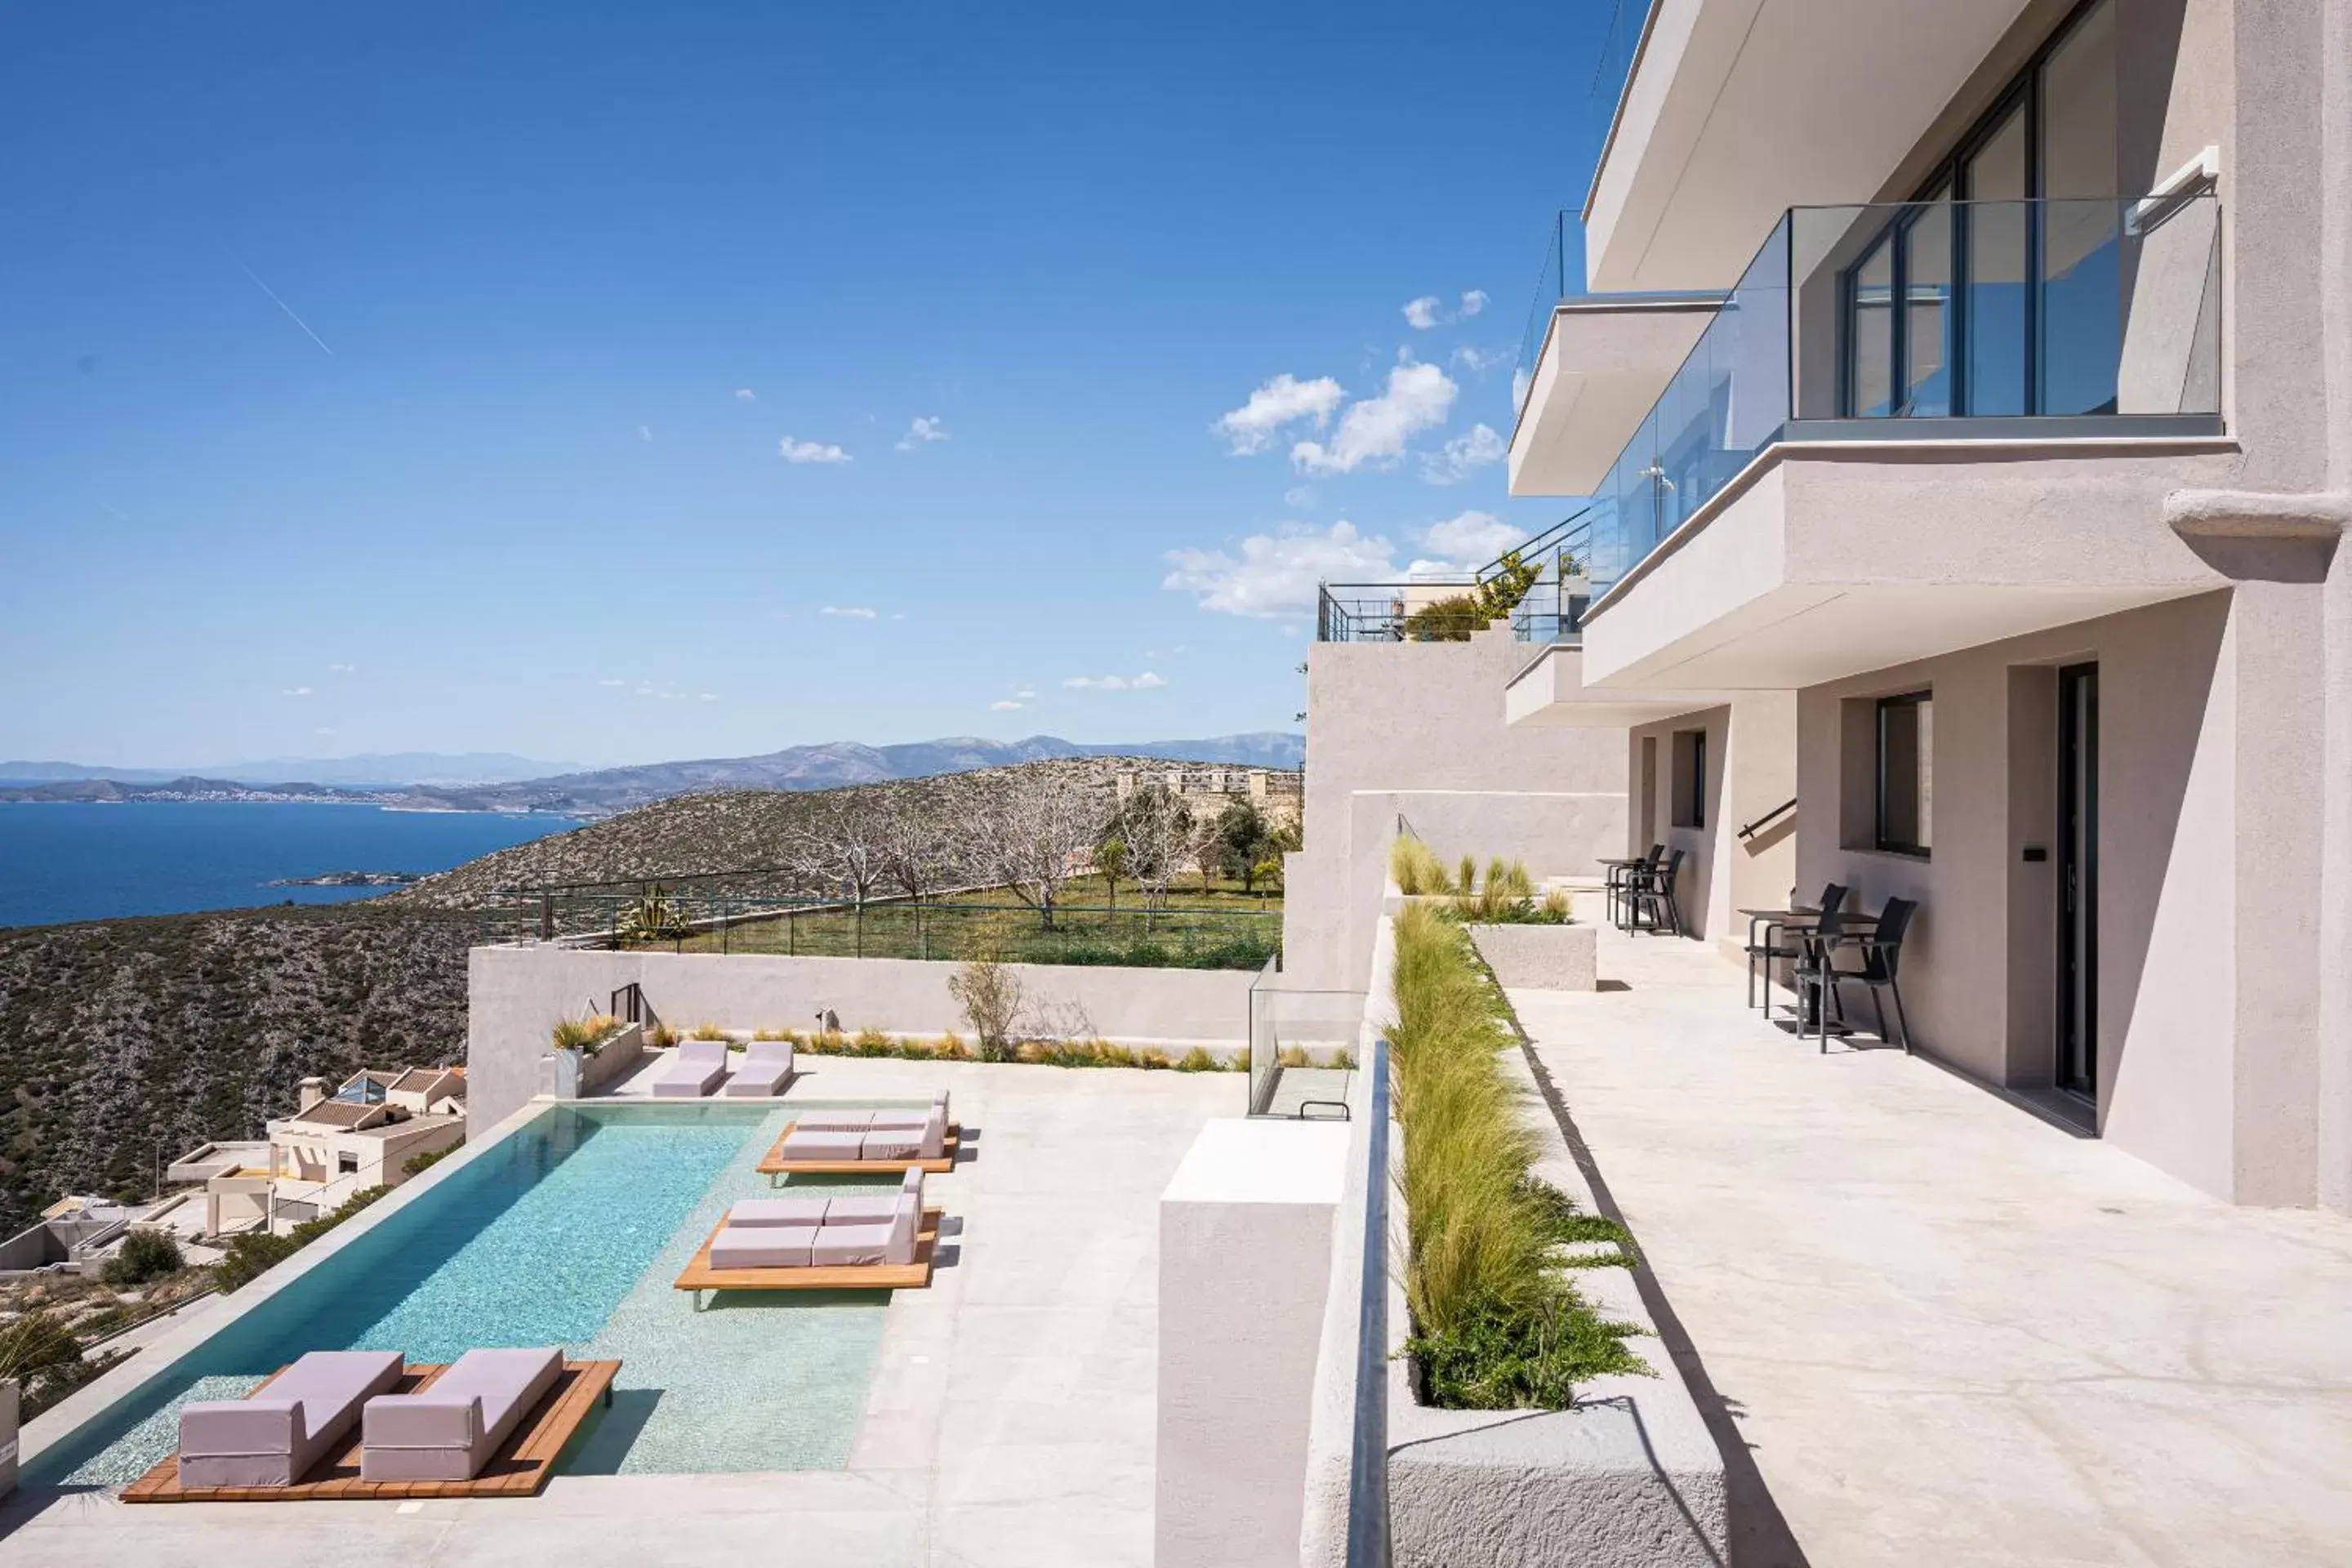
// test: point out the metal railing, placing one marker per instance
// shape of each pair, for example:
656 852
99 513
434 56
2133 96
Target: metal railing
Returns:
1750 830
1367 1463
1425 609
1935 319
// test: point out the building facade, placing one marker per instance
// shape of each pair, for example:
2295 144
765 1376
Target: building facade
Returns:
1964 397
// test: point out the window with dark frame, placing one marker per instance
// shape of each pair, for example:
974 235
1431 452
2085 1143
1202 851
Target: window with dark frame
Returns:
1690 778
1905 773
1993 293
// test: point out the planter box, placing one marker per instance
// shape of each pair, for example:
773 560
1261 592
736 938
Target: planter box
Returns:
9 1393
1540 957
574 1074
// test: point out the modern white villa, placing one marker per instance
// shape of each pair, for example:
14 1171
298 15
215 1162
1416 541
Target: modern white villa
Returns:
1858 917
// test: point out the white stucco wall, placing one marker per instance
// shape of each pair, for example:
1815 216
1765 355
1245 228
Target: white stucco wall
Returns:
1419 730
516 995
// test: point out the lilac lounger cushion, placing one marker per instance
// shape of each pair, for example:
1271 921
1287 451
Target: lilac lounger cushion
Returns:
822 1145
448 1432
878 1209
780 1211
834 1122
762 1247
695 1071
855 1246
892 1143
270 1440
767 1068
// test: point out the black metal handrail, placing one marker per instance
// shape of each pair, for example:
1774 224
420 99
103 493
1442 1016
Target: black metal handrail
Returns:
1562 537
1367 1464
1781 810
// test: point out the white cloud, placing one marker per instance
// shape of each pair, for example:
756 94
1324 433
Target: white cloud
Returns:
1282 401
705 697
342 669
645 432
1026 695
1470 538
1478 360
296 691
1519 387
793 451
1462 455
1005 706
324 729
1274 574
1147 680
745 395
1097 682
1299 497
923 430
852 612
612 683
1429 310
1374 431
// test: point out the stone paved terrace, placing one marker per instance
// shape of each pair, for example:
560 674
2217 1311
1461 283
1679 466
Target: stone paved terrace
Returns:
1010 1422
1949 1332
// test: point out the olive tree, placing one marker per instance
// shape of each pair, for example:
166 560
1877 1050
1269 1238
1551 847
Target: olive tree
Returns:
1032 831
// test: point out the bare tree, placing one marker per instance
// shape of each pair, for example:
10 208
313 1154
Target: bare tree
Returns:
918 851
1033 831
843 847
1154 824
1204 845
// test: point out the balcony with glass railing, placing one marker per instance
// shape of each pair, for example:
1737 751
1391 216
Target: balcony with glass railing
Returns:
1929 321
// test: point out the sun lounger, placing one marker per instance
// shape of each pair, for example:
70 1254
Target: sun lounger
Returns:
834 1121
767 1069
272 1438
448 1432
857 1246
876 1208
695 1071
799 1145
762 1245
888 1141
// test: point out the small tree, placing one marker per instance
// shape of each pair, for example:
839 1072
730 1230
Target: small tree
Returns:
1110 859
1155 827
1204 841
1032 831
144 1255
1242 835
844 846
918 856
989 992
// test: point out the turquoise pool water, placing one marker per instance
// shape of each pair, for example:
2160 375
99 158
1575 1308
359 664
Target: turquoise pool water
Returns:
567 1232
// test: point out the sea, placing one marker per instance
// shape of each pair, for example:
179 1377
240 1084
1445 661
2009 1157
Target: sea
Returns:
82 861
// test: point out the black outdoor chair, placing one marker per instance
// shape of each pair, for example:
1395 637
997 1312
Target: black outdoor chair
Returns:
1881 951
1784 944
1650 893
1620 876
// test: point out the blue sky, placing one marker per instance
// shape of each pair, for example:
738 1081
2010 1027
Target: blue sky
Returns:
433 377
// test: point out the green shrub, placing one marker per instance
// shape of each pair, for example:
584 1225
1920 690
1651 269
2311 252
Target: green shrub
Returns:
874 1043
1198 1059
585 1034
707 1030
254 1253
1495 1325
144 1255
790 1037
417 1164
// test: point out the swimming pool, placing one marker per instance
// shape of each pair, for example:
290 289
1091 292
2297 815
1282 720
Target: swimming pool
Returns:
567 1231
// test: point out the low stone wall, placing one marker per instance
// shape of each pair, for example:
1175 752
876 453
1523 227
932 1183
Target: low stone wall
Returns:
516 995
1540 957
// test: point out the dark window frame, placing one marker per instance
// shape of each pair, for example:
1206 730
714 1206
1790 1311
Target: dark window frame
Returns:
1687 809
1924 767
1950 174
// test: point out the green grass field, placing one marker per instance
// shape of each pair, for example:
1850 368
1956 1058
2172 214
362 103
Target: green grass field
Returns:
1221 927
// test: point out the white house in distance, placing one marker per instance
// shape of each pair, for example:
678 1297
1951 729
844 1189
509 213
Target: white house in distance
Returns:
335 1145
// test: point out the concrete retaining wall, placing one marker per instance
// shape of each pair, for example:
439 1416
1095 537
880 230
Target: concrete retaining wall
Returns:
516 995
1544 957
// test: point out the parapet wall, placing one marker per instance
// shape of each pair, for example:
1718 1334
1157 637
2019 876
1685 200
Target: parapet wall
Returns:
517 994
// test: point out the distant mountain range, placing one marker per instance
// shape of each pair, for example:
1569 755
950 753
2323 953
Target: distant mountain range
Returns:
391 770
604 790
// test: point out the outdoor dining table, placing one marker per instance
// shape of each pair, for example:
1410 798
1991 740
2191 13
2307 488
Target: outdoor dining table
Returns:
1804 1017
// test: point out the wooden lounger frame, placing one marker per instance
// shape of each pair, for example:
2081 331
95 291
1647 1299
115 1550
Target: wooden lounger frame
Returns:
700 1276
773 1164
520 1467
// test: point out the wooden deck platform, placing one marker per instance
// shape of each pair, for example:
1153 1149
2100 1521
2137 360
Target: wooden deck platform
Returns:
773 1164
519 1468
700 1276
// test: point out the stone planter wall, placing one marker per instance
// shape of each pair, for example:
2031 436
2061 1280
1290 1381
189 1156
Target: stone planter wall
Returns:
574 1074
9 1395
1540 957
